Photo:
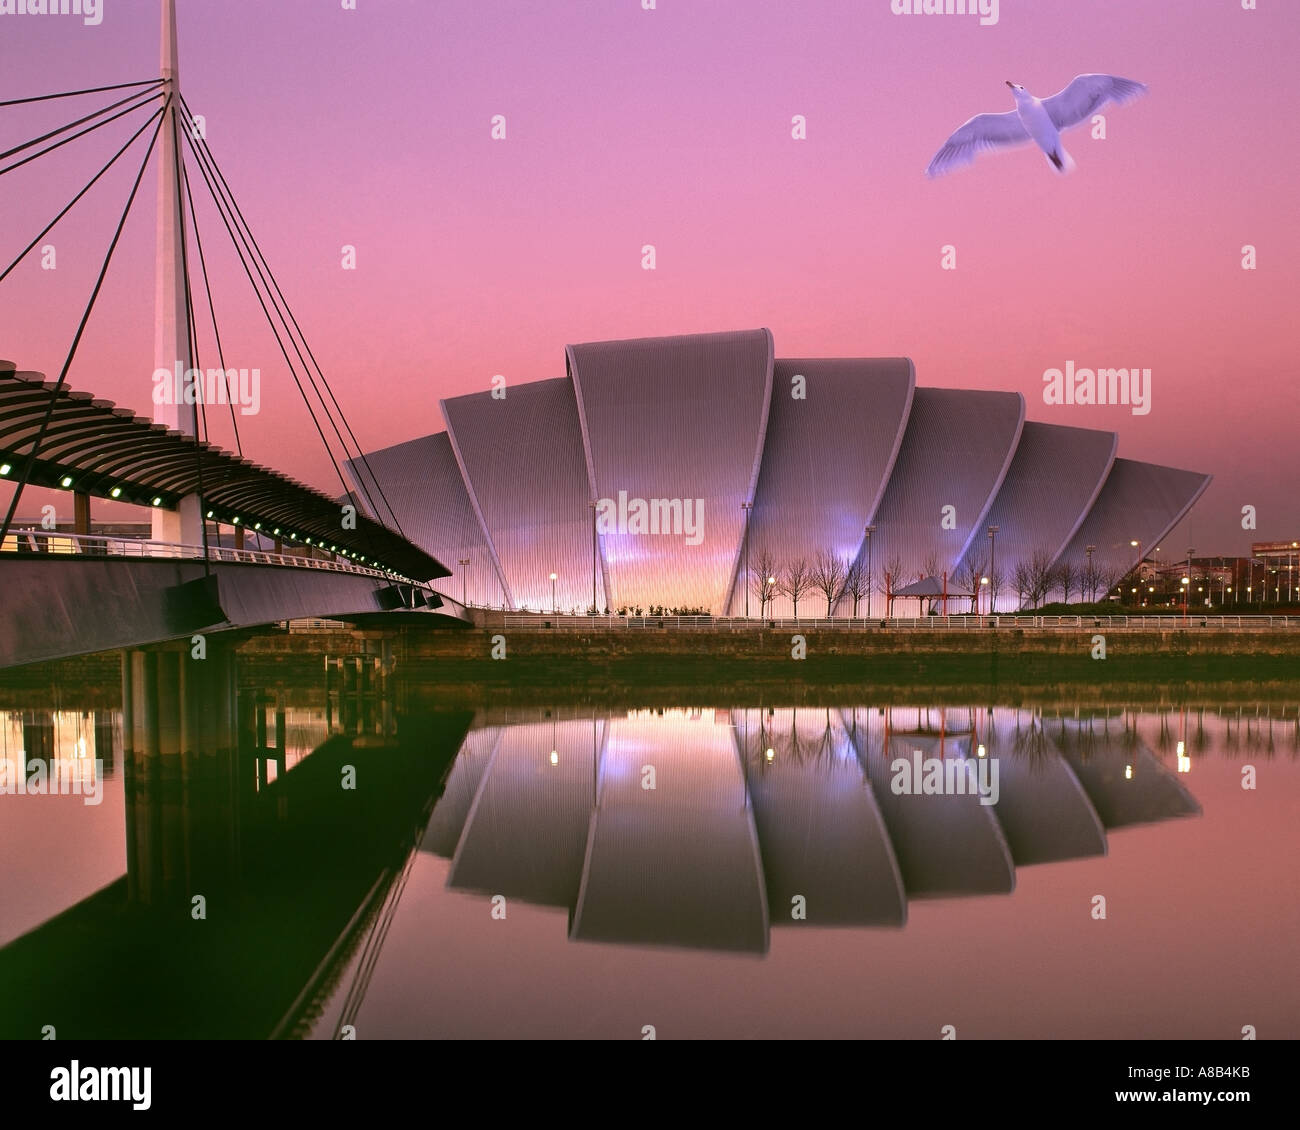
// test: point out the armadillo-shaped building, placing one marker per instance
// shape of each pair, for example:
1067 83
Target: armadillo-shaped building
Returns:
668 471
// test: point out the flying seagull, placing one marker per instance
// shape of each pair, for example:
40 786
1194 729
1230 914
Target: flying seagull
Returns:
1038 120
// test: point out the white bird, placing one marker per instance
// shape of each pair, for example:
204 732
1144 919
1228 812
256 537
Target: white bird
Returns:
1038 120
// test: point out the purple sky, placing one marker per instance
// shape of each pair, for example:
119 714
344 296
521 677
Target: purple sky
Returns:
673 127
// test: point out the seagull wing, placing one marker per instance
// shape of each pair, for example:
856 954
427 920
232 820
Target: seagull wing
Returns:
1086 95
983 131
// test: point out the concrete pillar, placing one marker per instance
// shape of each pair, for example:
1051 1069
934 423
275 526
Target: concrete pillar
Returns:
80 512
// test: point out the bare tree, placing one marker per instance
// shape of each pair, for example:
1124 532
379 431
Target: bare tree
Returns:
930 566
797 580
857 583
891 578
968 576
828 577
1116 578
1068 578
1020 578
763 580
1040 576
1089 579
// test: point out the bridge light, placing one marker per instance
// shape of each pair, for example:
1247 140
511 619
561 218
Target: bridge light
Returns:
258 526
116 492
5 468
236 520
66 481
277 531
157 501
209 513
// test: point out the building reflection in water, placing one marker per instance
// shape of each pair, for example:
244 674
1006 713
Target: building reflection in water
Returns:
704 828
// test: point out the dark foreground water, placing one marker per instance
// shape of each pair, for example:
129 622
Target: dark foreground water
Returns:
357 865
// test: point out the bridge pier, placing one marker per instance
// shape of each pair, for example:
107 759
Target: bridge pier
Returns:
182 774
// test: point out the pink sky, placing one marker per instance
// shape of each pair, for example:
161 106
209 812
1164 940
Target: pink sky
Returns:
672 127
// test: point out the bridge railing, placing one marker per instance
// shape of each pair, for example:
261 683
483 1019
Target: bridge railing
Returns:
94 545
543 621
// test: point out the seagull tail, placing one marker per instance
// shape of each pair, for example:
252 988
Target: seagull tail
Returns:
1061 161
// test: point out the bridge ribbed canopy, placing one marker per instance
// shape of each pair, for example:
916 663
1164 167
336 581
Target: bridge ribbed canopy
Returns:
102 448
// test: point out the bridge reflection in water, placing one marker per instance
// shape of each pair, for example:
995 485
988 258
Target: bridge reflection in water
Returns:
295 871
693 829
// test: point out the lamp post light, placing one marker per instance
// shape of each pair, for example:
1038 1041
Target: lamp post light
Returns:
870 580
555 608
747 507
767 592
983 584
593 505
463 562
1092 581
993 569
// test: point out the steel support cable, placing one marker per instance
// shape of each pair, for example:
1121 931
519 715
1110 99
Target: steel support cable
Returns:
74 93
212 310
138 101
338 408
221 211
268 282
50 226
76 341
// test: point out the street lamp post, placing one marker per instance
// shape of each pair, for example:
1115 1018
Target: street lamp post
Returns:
993 570
593 504
1187 592
983 584
464 562
555 608
747 507
1092 581
870 580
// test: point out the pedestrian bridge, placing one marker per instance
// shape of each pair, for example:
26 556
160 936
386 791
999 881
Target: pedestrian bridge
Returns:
69 594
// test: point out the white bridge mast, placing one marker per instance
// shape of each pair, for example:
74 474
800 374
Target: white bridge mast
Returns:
171 335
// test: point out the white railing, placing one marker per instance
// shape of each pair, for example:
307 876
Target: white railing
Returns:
544 621
90 545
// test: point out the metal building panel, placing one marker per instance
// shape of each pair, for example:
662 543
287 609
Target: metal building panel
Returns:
826 462
676 420
955 453
522 460
1139 502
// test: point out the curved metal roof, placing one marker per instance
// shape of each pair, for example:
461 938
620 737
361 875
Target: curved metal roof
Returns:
422 483
1050 488
680 419
522 463
1139 502
955 454
832 438
102 448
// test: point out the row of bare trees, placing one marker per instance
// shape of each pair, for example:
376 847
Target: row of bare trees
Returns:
832 578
